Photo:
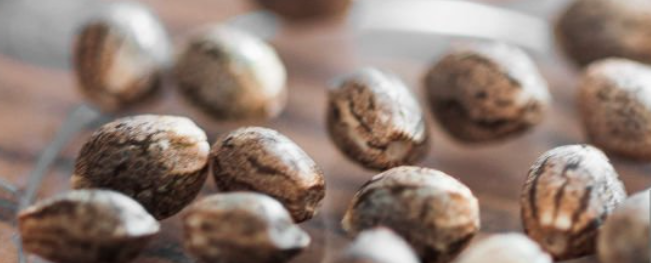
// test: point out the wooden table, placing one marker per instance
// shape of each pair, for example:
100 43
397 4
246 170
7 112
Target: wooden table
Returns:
35 97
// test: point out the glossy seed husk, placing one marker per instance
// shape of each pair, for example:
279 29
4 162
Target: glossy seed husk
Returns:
436 214
242 228
615 109
568 193
591 30
378 245
306 10
486 92
83 226
120 55
160 161
231 74
376 120
263 160
505 248
625 236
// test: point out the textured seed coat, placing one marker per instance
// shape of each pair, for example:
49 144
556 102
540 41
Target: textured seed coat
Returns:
375 120
160 161
434 212
625 237
569 192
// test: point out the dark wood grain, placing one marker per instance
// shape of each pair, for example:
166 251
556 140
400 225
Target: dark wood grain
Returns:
35 99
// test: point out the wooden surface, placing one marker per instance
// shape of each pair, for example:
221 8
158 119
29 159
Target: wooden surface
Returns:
35 98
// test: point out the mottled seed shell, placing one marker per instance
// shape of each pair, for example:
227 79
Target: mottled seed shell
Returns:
378 245
242 228
376 121
486 93
615 107
569 192
120 55
625 237
505 248
591 30
231 74
160 161
85 226
303 10
263 160
434 212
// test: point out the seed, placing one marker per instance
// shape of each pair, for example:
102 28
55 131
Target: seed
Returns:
434 212
263 160
486 93
120 55
84 226
569 192
591 30
231 74
378 245
160 161
242 228
625 237
505 248
614 107
375 120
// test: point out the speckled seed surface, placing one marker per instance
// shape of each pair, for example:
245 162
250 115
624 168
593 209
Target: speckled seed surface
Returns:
615 104
591 30
263 160
376 121
568 193
303 10
231 74
625 237
434 212
242 228
97 226
505 248
120 55
486 92
160 161
378 245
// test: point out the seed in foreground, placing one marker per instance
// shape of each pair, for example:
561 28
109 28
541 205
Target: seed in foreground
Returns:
265 161
376 120
569 192
83 226
505 248
160 161
378 245
432 211
242 228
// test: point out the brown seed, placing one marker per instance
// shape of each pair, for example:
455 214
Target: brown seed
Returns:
616 112
505 248
376 121
242 228
486 93
231 74
120 55
263 160
85 226
569 191
160 161
304 10
378 245
591 30
625 237
434 212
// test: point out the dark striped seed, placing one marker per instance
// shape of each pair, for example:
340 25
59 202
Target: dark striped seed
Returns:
263 160
569 192
436 214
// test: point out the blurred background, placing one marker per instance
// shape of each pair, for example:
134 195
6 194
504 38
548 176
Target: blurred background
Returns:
38 91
